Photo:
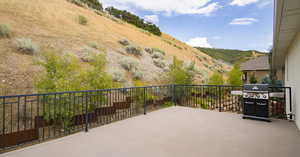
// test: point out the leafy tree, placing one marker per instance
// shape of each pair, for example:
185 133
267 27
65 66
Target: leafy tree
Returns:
64 73
94 4
135 20
235 76
216 79
179 74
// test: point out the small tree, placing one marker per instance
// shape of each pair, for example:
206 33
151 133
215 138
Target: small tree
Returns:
253 79
235 76
179 74
216 79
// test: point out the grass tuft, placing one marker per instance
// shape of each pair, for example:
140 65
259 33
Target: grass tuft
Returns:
82 20
5 31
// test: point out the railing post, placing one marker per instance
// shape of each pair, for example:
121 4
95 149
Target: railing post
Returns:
145 105
290 102
220 98
86 113
173 94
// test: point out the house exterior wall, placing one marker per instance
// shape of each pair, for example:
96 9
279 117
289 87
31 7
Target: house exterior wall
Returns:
292 75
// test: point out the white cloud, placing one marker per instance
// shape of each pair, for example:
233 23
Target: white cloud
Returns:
203 7
260 3
152 18
243 21
264 3
243 2
199 42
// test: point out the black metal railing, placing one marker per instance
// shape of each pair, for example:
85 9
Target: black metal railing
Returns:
210 97
39 117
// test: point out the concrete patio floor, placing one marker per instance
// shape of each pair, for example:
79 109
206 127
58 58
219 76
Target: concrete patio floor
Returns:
176 132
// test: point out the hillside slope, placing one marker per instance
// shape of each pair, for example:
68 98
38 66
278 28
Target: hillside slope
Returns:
230 56
54 24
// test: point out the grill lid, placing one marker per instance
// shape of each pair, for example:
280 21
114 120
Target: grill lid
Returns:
256 87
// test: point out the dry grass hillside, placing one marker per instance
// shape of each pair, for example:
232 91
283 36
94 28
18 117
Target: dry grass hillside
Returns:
54 24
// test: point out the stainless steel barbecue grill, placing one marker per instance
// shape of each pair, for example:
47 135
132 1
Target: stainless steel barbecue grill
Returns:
256 101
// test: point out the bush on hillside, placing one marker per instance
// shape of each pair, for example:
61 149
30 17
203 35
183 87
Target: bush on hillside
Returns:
82 20
118 75
129 64
159 51
137 75
216 79
135 20
87 54
134 50
149 50
124 42
157 55
26 46
5 31
93 44
159 63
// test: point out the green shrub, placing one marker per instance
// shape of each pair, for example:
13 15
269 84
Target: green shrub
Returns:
216 79
235 76
159 63
26 46
87 54
149 50
129 64
59 73
82 20
168 104
137 51
93 44
118 75
179 74
124 42
253 79
157 55
159 50
138 75
5 31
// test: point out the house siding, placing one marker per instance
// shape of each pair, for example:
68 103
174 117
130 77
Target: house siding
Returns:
292 75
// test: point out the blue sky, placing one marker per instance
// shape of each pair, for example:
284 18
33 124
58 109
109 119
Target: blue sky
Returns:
233 24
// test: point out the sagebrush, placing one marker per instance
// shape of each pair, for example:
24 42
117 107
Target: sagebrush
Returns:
129 64
134 50
27 46
5 31
82 20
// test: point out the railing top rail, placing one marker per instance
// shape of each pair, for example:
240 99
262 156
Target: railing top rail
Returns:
111 89
81 91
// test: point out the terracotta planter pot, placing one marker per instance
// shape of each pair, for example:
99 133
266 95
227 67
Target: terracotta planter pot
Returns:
121 105
40 122
80 119
129 99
